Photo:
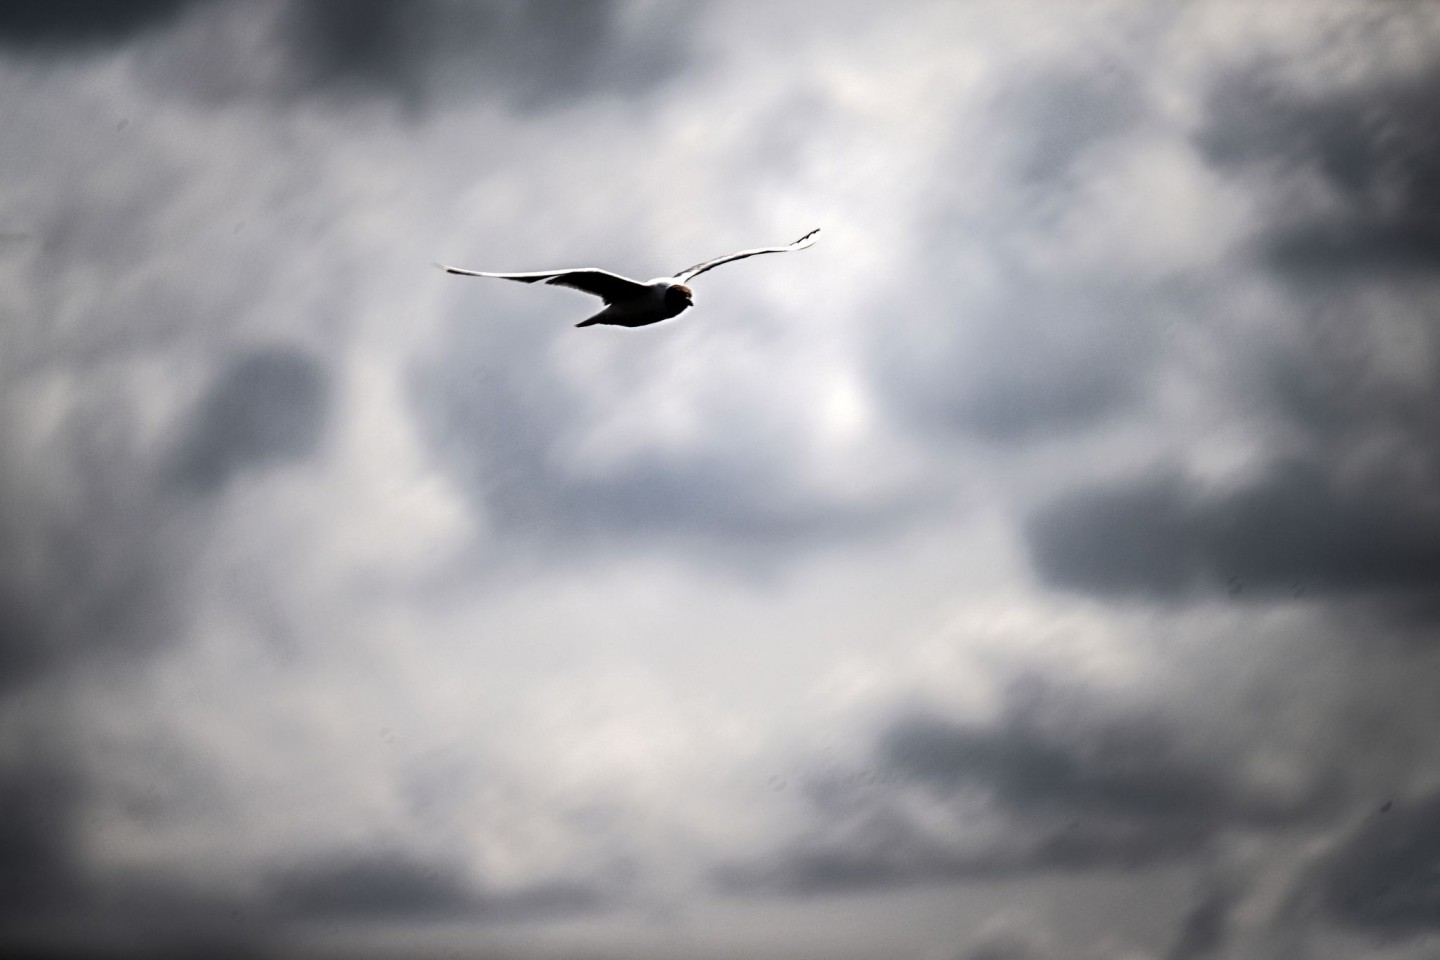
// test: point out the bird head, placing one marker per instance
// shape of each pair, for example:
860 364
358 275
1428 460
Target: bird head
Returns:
679 297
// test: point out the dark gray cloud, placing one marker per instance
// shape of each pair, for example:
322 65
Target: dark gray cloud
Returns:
1297 531
418 54
1377 147
267 407
1336 518
1060 116
1126 771
46 900
1117 539
1004 946
1384 877
371 43
376 886
390 885
94 578
1206 928
23 645
1360 261
38 825
533 54
413 54
1078 786
56 25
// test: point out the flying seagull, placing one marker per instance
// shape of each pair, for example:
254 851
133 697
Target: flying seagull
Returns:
630 303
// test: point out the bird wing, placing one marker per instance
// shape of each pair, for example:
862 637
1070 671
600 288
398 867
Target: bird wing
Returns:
700 268
608 286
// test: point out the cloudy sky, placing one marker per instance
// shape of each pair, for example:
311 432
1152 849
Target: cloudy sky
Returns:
1044 565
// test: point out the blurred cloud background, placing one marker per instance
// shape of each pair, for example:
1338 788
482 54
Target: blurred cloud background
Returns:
1045 564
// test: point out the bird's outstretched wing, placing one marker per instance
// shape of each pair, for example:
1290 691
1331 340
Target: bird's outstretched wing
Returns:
700 268
609 287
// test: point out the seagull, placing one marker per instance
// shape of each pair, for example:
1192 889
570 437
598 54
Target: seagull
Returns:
630 303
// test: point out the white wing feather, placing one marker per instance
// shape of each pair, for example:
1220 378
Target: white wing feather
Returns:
700 268
608 286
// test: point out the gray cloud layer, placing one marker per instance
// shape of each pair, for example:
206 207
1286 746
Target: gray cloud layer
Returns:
537 54
1040 354
268 407
66 24
1080 788
1376 147
258 456
1351 171
1383 877
1295 531
414 54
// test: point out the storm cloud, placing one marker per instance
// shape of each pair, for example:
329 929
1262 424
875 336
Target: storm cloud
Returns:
538 54
267 408
67 24
1078 788
1344 178
1014 573
395 886
1382 879
1206 929
1374 147
1297 530
39 869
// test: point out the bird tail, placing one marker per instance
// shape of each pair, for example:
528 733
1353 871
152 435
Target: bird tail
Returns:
598 318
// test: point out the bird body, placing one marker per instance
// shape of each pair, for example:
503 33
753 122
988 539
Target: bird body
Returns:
630 303
662 299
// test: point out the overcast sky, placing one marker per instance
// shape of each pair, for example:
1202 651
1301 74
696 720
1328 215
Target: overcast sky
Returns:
1044 565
